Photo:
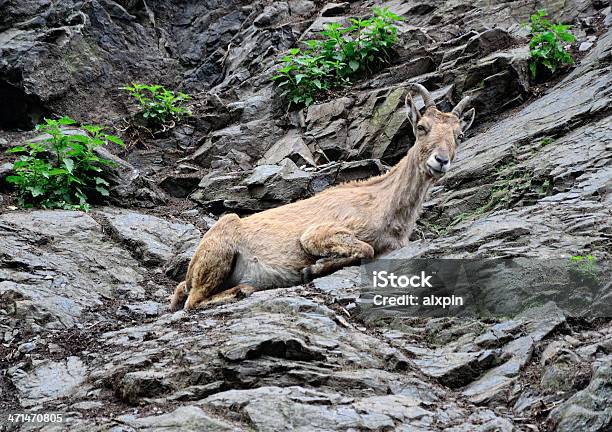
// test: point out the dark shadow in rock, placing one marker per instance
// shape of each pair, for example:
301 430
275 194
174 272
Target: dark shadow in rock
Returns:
19 110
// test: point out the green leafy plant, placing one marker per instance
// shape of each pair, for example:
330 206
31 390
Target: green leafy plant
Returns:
158 105
61 170
342 53
584 267
546 141
548 43
303 76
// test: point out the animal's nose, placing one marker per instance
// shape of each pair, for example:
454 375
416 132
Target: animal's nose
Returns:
442 159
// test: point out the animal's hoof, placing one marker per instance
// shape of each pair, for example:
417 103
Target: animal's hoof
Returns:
244 291
177 303
173 307
179 297
307 275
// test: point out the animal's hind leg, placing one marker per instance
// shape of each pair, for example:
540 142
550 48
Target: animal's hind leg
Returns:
236 293
209 273
338 247
212 262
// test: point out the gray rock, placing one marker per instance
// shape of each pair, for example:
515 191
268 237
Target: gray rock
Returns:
494 384
453 369
5 170
145 309
322 114
291 146
272 14
48 380
329 411
564 373
87 405
152 239
186 418
253 139
59 263
589 409
374 136
334 9
180 186
268 186
495 39
134 385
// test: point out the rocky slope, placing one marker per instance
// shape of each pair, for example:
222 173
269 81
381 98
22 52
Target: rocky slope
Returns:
84 325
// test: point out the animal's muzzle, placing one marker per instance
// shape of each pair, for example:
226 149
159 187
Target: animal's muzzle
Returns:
438 165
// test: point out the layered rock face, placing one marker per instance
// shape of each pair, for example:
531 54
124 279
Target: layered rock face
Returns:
84 324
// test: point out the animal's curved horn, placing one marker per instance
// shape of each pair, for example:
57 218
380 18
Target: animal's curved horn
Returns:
458 110
406 107
429 102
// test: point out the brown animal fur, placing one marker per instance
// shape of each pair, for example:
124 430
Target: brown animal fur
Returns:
340 226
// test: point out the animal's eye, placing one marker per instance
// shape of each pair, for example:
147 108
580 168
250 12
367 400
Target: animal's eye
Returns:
460 136
421 129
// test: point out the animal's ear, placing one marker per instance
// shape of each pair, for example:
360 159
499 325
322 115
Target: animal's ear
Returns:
467 119
412 112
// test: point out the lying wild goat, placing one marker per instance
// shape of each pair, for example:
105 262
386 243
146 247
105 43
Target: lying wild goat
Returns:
297 242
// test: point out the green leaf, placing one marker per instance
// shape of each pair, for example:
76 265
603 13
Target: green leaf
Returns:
65 121
69 164
36 190
14 179
354 65
92 129
102 190
17 149
57 171
533 68
115 140
79 138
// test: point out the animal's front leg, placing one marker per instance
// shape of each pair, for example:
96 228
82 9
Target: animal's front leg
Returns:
326 266
338 247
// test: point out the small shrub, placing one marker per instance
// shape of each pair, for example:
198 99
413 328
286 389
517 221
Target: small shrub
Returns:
303 76
548 43
584 268
62 170
158 105
341 54
546 141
